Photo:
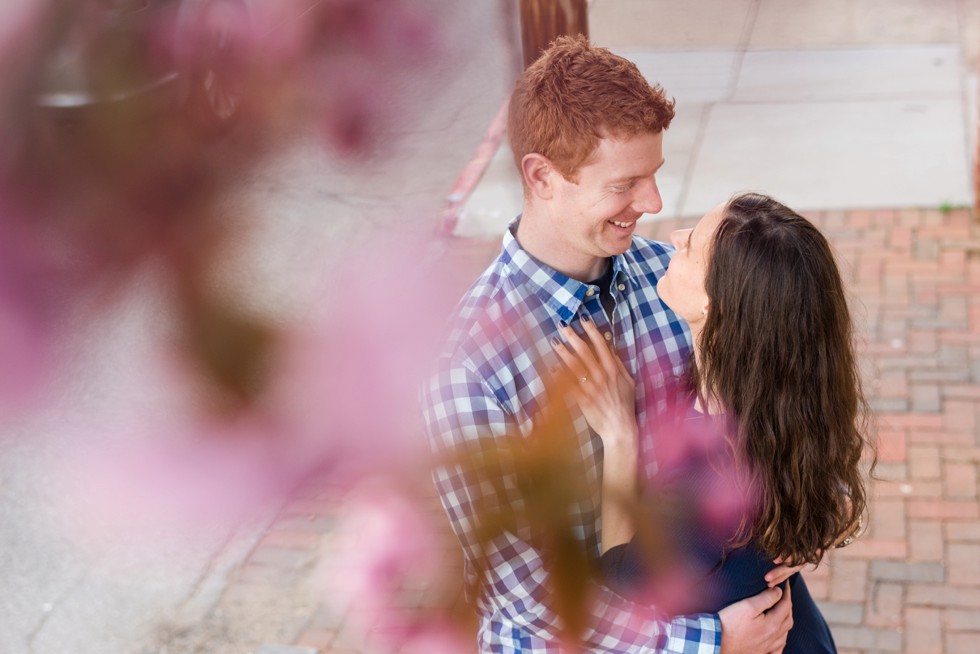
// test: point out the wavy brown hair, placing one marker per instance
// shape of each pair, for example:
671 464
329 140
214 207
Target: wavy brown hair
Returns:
777 353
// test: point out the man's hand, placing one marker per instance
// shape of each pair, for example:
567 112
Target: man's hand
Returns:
757 624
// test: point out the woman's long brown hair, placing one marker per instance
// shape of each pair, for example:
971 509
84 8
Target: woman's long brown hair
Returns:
777 352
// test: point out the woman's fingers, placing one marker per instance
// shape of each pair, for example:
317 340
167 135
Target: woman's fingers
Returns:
574 368
605 356
578 370
569 358
583 353
595 359
781 572
623 371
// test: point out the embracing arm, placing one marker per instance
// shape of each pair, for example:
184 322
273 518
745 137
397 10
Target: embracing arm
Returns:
462 414
605 392
618 490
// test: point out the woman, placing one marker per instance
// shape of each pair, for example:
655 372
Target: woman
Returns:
773 370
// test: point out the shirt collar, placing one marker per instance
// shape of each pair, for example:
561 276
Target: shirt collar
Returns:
558 291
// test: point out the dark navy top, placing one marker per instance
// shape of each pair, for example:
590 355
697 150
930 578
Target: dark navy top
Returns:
685 565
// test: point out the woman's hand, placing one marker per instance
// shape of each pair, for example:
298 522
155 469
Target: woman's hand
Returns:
781 572
606 394
603 389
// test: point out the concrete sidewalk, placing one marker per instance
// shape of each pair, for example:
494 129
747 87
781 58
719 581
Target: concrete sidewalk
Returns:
824 105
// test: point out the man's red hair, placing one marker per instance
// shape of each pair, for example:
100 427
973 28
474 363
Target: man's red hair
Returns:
575 94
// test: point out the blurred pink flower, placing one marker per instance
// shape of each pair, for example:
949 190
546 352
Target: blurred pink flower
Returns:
22 39
346 386
384 552
364 60
340 401
437 637
387 31
682 444
25 351
672 586
174 478
27 310
354 108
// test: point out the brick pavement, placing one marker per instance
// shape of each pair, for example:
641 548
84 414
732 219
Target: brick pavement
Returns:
912 582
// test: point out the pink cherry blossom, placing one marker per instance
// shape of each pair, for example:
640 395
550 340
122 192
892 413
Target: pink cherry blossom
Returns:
386 545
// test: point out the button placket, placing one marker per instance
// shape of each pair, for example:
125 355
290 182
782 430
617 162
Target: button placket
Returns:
599 317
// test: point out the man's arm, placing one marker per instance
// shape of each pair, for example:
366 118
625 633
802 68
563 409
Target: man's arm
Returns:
461 412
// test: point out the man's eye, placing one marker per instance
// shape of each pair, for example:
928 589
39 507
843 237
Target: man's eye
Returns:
623 188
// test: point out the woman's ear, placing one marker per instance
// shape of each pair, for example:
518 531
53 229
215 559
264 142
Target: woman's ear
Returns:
704 309
537 171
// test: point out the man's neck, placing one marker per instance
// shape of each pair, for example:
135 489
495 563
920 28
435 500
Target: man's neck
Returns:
540 242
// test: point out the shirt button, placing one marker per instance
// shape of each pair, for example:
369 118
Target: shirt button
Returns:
590 292
622 287
608 336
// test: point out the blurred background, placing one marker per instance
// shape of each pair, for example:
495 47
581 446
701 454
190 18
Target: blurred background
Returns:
230 231
825 105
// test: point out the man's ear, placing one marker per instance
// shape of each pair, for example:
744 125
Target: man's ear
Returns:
538 175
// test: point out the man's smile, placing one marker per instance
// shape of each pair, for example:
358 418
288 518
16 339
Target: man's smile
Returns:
624 226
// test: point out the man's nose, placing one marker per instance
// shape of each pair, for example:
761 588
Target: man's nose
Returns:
647 198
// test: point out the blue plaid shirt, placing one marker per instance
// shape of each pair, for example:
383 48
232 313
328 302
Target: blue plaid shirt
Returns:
489 382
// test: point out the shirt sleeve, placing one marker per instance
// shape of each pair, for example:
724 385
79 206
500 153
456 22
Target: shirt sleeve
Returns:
462 414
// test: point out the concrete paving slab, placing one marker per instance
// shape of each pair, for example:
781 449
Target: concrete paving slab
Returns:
881 127
689 76
79 625
804 23
971 108
668 23
283 649
969 16
496 200
680 143
834 154
931 72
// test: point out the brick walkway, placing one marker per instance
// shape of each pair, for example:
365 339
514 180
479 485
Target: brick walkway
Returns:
912 583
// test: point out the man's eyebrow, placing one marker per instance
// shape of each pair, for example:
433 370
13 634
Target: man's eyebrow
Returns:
620 180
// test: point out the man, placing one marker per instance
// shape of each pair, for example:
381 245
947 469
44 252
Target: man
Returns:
587 134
